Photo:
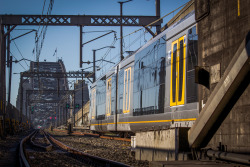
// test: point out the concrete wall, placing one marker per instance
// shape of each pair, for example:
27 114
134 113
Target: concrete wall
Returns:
222 26
162 145
163 139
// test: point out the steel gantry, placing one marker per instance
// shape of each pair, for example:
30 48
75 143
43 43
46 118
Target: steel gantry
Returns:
70 74
77 20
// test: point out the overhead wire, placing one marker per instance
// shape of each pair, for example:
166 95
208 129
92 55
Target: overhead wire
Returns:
97 31
112 58
43 31
19 52
150 24
18 62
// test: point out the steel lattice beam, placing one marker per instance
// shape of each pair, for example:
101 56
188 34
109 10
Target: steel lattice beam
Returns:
30 92
48 91
77 20
71 74
43 101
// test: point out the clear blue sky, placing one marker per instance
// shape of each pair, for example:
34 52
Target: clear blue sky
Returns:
66 39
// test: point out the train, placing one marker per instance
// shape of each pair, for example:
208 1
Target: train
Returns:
152 89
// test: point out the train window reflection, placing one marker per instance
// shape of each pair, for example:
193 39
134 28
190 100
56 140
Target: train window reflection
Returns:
192 60
149 79
100 99
113 94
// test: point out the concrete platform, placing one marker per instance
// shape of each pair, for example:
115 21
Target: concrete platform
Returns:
193 163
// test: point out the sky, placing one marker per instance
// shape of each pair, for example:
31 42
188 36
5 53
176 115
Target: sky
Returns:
65 39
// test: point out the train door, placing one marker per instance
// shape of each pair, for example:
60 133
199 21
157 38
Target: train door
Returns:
108 98
177 83
93 104
127 90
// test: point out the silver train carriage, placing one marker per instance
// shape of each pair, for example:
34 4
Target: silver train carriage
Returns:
152 89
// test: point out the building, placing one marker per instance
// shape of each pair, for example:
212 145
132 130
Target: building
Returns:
80 97
224 30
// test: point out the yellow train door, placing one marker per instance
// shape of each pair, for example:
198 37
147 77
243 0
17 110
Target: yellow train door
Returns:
178 71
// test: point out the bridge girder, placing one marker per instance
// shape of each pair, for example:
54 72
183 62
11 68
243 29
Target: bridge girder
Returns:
77 20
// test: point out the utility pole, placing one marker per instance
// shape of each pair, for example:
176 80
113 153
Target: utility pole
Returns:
21 98
82 96
81 46
29 118
94 65
10 76
158 14
94 51
121 33
9 64
59 116
2 72
26 105
121 30
74 104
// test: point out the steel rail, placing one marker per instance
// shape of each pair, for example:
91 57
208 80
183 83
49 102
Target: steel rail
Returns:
46 148
22 159
95 135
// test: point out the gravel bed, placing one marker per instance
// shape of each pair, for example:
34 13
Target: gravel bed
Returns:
105 148
50 159
9 149
10 142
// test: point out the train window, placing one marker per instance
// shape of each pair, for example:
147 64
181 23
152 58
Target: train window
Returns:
192 59
177 85
173 71
149 79
93 104
181 72
113 94
101 99
127 90
120 91
108 98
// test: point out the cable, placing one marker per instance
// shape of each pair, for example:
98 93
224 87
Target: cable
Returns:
97 31
112 58
43 31
145 31
19 52
155 20
18 62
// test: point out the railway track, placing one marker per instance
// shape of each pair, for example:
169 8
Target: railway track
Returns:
41 149
94 135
